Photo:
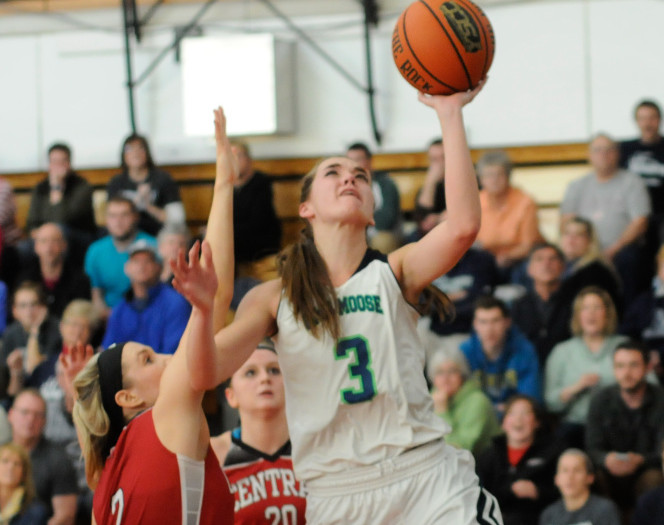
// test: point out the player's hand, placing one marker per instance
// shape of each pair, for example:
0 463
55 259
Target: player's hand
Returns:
227 165
442 103
196 280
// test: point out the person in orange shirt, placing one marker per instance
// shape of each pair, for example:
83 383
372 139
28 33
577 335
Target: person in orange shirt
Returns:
509 227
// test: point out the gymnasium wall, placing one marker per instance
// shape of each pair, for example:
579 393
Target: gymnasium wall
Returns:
563 70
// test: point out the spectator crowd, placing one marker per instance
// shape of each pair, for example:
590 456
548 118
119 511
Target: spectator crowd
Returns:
549 373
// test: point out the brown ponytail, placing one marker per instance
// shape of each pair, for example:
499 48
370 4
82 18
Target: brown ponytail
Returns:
307 285
305 279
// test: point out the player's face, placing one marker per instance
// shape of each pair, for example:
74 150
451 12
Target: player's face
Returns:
258 385
494 180
340 192
572 478
27 417
574 241
11 469
447 378
142 369
629 369
520 422
491 327
592 315
648 121
75 330
545 266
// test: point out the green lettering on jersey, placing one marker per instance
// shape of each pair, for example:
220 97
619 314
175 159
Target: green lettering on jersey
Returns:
359 303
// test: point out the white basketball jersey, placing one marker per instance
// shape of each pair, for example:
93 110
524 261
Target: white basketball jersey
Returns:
362 399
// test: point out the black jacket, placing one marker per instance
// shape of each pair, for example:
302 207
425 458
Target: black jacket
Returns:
537 465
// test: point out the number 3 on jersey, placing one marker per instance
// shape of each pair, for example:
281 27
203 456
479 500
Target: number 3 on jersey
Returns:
359 369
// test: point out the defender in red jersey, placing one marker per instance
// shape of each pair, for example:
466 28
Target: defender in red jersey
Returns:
256 458
143 432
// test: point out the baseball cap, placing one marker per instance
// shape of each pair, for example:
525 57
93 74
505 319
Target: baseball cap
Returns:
143 246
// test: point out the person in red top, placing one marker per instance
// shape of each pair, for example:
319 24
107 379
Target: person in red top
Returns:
143 433
256 457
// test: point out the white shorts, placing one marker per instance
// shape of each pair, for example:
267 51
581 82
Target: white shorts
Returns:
434 483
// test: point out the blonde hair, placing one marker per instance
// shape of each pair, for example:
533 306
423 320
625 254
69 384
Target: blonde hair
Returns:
593 253
27 481
81 308
308 288
91 420
611 314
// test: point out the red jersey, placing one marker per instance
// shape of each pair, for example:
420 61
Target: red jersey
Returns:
144 483
264 486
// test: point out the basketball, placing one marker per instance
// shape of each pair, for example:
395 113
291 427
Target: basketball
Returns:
443 47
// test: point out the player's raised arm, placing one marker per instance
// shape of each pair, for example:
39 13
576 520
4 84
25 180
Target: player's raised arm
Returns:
220 222
417 265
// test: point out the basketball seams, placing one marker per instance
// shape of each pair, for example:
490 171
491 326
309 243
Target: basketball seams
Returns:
415 57
471 9
451 41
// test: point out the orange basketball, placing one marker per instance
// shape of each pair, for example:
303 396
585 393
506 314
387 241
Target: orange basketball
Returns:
443 47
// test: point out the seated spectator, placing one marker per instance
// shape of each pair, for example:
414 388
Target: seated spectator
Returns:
4 298
105 259
519 466
30 344
64 197
581 365
543 313
645 317
10 234
430 202
626 426
574 477
60 277
152 313
154 193
256 227
501 359
617 203
79 321
584 263
18 505
171 239
459 400
474 276
645 157
385 234
650 507
55 479
510 227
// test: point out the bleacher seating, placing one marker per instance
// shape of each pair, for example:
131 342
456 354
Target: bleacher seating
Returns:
542 171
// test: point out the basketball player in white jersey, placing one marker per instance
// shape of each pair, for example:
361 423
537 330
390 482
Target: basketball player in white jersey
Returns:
366 442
